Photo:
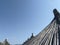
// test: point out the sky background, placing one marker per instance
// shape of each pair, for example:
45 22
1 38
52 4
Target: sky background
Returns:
20 18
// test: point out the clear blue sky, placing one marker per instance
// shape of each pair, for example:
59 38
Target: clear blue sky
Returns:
20 18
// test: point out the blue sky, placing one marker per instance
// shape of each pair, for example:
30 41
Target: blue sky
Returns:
20 18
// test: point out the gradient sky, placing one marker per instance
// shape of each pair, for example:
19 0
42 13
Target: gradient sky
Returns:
20 18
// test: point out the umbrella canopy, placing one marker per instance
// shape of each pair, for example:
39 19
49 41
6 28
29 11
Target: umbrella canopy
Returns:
50 35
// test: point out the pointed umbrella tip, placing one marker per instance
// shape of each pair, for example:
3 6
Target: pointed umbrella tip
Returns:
32 35
56 13
54 9
57 16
